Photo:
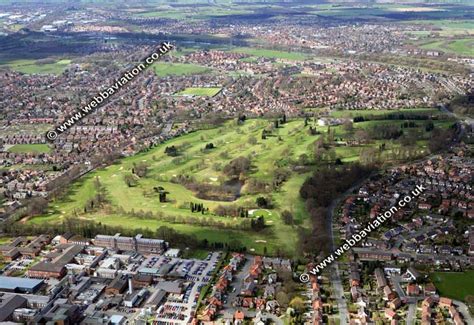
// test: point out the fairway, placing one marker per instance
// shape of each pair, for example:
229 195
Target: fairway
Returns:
455 285
200 91
26 148
195 173
163 69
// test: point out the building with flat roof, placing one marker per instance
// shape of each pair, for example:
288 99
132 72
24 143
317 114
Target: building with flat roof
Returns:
137 243
20 285
172 252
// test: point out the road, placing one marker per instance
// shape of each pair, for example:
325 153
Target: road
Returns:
338 292
238 281
252 313
411 314
334 272
462 308
396 279
467 120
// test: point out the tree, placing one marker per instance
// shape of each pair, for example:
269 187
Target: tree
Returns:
37 205
297 303
303 159
287 217
130 180
440 139
100 190
237 166
282 299
209 146
361 136
261 202
140 169
171 151
258 223
348 126
252 140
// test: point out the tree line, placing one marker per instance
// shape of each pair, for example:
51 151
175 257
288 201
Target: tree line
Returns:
318 192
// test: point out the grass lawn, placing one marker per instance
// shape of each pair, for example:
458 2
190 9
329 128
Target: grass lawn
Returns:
200 91
297 56
463 46
34 67
231 140
25 148
279 150
448 27
163 69
454 285
5 240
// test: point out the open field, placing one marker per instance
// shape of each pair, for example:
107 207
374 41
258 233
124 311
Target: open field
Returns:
271 53
33 129
25 148
200 91
280 153
463 46
163 69
447 27
35 67
456 285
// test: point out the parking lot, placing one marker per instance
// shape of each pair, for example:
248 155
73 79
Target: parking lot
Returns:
197 274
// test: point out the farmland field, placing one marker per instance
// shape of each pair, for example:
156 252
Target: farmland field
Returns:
191 164
200 91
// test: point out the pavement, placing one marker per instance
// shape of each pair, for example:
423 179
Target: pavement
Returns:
335 277
464 310
238 281
189 305
396 279
339 294
411 314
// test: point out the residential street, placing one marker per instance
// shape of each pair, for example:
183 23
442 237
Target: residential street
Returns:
411 314
464 310
238 281
339 293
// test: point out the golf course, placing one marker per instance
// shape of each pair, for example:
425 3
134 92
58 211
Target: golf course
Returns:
215 183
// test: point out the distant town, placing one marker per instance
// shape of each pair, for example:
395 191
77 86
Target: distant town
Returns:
209 187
